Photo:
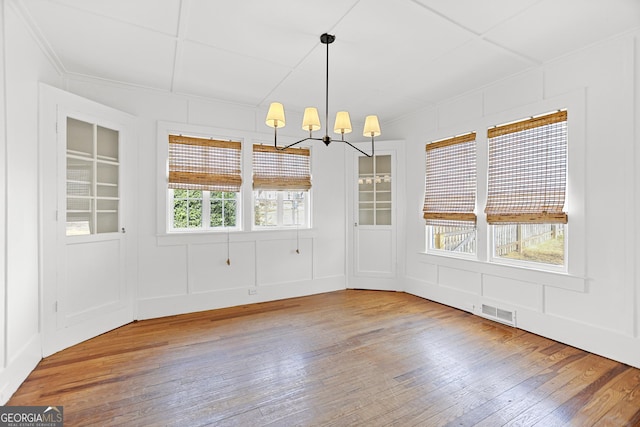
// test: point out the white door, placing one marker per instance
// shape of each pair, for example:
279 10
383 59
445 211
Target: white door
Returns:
84 240
375 222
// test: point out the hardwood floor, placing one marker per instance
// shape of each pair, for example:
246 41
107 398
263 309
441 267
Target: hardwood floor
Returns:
345 358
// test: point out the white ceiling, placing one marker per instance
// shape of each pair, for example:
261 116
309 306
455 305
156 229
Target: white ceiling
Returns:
390 57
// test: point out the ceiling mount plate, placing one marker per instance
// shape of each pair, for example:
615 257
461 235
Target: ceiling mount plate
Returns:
327 38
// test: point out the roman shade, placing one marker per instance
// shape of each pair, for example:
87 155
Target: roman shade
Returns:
275 169
204 164
527 173
450 181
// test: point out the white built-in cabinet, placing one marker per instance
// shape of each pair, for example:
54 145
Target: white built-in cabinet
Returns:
85 193
376 218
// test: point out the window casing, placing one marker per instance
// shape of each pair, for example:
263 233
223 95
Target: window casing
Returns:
203 184
527 177
450 195
281 187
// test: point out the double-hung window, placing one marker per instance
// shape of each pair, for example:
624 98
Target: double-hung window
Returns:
527 178
281 184
450 195
204 183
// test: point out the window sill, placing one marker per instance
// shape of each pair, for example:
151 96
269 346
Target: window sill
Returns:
546 278
201 237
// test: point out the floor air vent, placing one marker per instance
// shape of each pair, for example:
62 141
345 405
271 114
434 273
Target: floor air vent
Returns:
499 315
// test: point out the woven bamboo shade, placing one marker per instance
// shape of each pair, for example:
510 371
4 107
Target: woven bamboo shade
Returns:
275 169
450 180
204 164
527 174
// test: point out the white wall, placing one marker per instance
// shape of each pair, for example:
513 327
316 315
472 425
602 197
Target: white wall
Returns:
184 273
595 306
3 204
23 66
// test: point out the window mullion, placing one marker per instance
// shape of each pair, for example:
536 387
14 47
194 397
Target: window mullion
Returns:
280 207
171 209
206 209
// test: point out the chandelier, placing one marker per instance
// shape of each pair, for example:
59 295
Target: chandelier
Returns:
311 121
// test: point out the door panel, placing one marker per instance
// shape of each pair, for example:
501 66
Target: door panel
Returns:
93 284
374 250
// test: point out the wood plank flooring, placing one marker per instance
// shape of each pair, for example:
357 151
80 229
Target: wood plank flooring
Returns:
347 358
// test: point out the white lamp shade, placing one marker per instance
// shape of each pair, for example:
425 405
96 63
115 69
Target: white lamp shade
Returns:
275 116
311 121
371 126
343 122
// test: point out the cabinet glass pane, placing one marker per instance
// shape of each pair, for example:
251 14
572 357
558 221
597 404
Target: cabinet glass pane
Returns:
374 190
383 217
107 144
107 222
107 190
79 177
79 217
79 137
383 165
366 196
92 182
107 173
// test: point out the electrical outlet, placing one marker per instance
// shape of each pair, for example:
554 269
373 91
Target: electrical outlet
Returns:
253 291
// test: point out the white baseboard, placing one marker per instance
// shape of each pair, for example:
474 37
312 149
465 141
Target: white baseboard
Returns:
179 304
19 368
600 341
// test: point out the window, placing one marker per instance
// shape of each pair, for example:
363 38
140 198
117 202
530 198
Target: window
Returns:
527 177
286 208
197 209
450 195
204 183
281 184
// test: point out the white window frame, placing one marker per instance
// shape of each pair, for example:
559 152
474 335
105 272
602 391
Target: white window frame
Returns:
429 234
308 199
280 211
164 214
444 252
206 215
527 264
491 228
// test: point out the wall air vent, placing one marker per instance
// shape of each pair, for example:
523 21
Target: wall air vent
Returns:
499 315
